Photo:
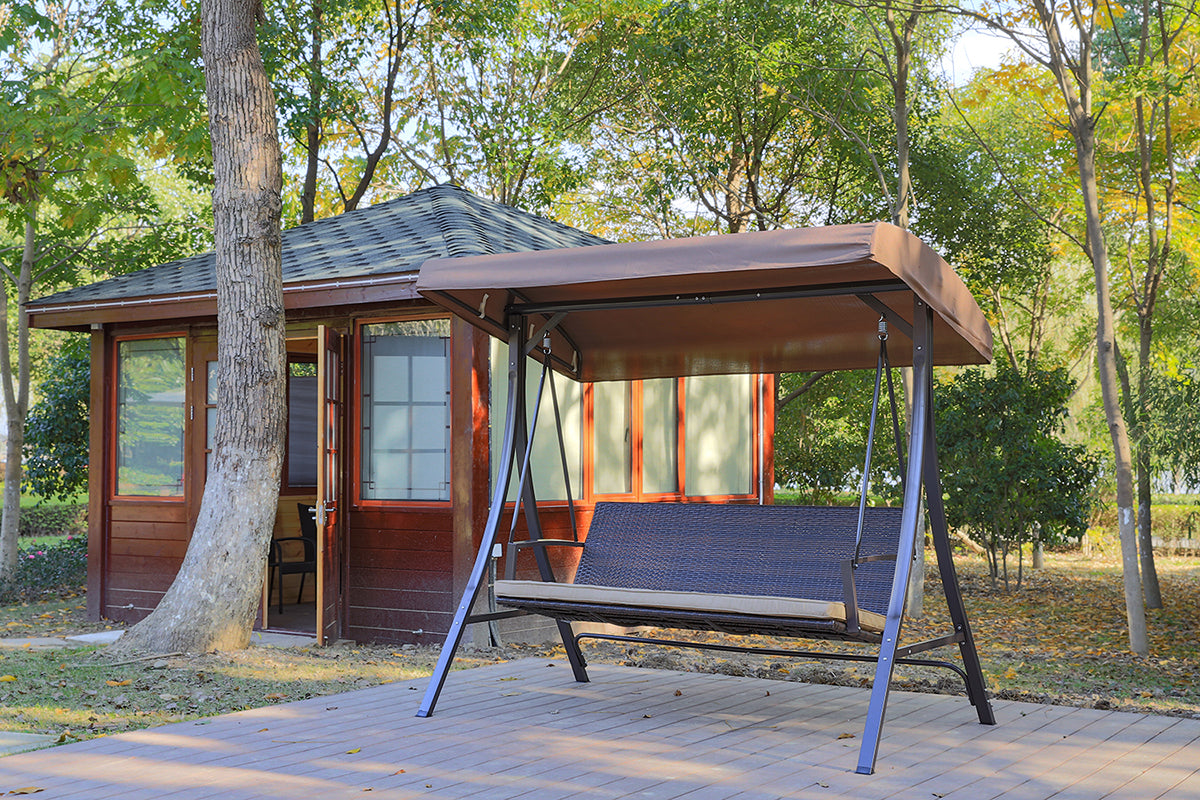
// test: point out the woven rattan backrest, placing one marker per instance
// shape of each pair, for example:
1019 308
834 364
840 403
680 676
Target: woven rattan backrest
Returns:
780 551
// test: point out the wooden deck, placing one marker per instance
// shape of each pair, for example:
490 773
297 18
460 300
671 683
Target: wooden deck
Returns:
525 729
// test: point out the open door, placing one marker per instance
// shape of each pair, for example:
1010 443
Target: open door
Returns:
329 470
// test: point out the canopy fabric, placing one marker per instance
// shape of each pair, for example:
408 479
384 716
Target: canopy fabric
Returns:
774 301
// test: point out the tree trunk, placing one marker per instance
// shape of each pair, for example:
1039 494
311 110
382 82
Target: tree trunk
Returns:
1072 71
16 399
215 597
1082 125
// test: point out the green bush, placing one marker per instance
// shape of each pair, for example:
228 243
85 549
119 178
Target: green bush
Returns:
54 520
49 571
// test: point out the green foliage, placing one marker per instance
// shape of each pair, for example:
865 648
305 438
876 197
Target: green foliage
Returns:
56 430
1007 478
821 437
48 571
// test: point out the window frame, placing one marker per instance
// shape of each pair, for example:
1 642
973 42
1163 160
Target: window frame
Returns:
112 464
355 450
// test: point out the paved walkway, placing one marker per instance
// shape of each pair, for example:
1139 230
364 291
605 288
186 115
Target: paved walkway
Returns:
525 729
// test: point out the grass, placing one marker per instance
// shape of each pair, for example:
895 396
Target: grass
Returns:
1062 639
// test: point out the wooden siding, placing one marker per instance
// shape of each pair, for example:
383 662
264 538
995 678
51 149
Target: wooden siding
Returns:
144 550
399 574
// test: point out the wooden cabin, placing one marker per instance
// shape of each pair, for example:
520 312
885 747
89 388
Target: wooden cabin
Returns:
409 395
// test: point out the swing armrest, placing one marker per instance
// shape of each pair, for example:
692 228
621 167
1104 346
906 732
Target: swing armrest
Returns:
850 592
510 568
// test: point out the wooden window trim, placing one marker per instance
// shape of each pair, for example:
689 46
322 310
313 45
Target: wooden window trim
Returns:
113 439
354 449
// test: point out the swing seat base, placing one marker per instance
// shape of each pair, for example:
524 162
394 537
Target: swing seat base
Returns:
740 569
738 614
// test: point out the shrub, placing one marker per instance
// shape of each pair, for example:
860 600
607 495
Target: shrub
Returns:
51 570
54 520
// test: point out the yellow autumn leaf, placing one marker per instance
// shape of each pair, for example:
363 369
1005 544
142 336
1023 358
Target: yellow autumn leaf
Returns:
119 683
352 752
7 678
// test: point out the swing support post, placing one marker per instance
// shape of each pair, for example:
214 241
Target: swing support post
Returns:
514 451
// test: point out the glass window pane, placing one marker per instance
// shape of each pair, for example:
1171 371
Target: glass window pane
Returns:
546 457
660 436
717 434
211 385
614 451
302 429
406 410
150 417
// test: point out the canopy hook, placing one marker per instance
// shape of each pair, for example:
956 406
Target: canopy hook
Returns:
883 328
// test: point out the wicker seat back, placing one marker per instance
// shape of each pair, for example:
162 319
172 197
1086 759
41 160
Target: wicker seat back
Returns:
779 551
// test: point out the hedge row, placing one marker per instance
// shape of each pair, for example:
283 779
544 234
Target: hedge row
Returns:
56 520
1170 523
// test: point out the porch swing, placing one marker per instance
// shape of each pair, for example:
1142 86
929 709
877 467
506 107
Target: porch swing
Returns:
822 298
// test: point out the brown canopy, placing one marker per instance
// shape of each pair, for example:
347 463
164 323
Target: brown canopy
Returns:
775 301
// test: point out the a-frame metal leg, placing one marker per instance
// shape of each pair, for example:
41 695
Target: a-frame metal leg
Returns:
910 526
515 440
976 688
534 522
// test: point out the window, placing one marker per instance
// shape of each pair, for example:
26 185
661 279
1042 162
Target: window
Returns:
150 417
613 429
406 410
718 435
660 436
302 424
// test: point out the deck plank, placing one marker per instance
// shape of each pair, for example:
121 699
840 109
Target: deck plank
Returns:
526 730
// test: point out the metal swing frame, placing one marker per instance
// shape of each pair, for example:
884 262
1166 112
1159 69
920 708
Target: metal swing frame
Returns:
920 471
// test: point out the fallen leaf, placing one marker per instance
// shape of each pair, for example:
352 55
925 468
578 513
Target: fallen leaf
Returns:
276 696
119 683
823 784
27 790
845 736
262 730
399 772
8 678
645 716
678 693
355 750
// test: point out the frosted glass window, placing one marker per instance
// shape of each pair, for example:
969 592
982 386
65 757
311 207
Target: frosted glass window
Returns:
406 410
546 467
614 438
717 434
660 436
150 414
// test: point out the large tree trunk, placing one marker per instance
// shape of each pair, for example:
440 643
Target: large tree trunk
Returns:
215 597
16 399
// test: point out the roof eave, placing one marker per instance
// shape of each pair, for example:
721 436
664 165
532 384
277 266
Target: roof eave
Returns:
153 308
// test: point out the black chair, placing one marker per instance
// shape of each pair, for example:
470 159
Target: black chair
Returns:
308 539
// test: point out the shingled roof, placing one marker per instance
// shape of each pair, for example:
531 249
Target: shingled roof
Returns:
392 238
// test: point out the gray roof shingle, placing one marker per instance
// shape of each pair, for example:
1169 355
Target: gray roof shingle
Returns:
395 236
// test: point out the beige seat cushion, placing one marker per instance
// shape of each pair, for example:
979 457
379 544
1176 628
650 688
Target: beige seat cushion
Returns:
740 604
